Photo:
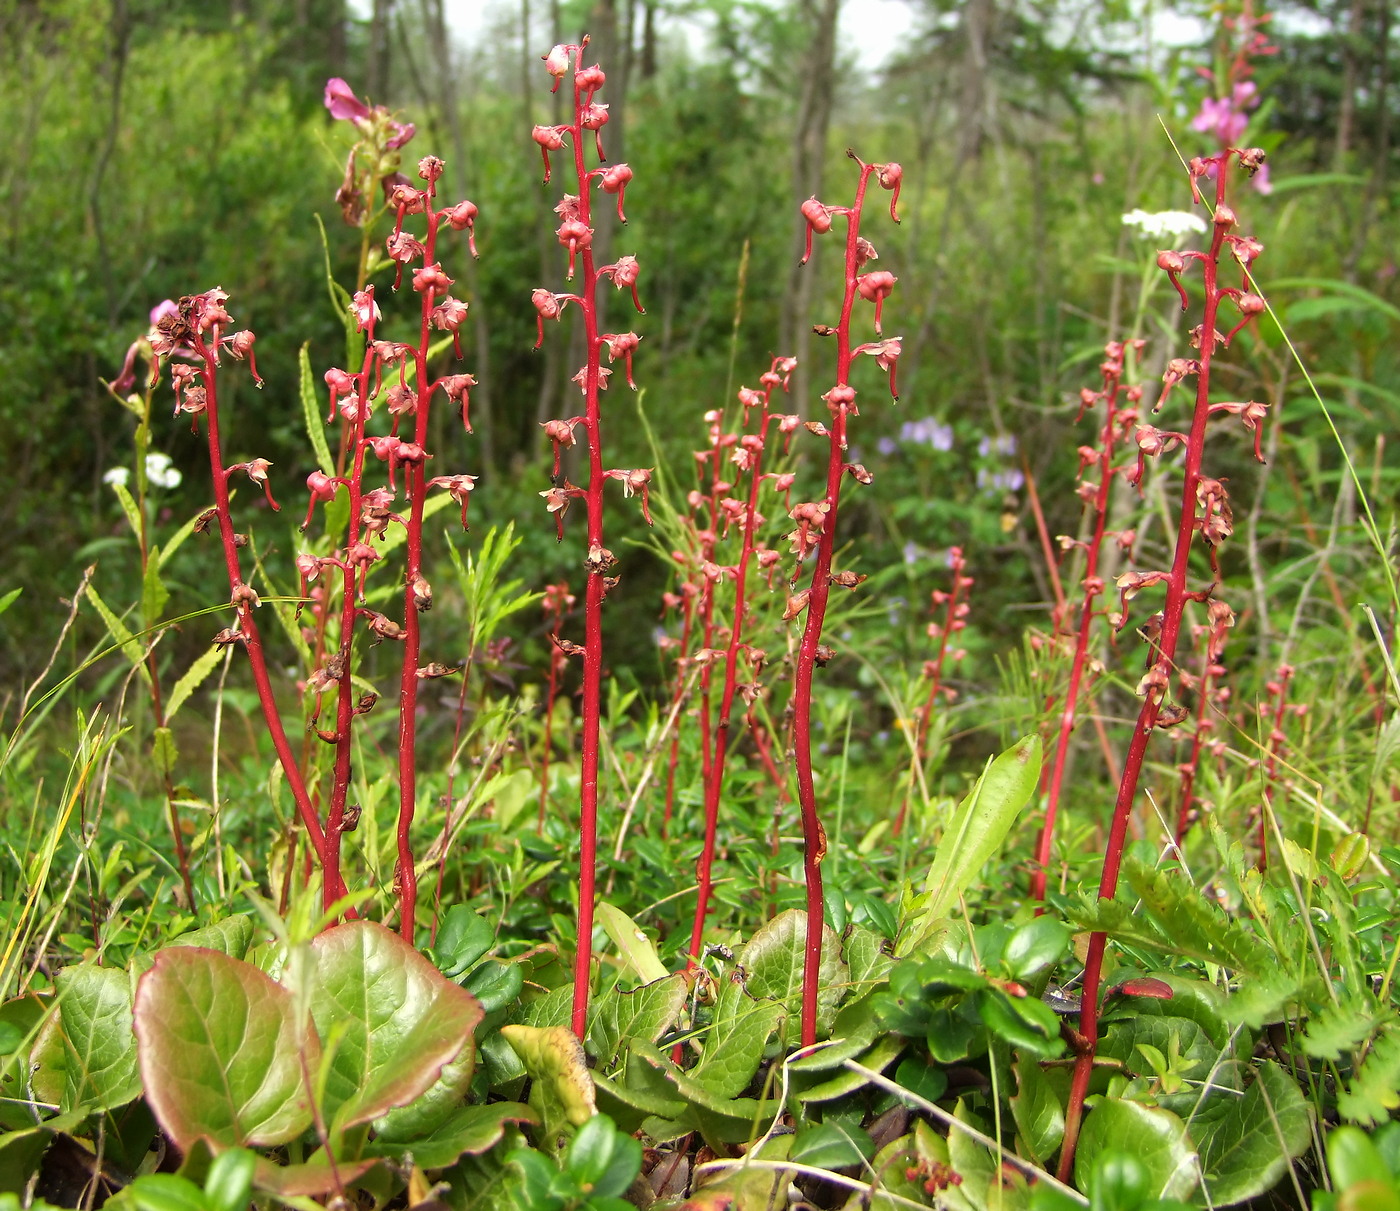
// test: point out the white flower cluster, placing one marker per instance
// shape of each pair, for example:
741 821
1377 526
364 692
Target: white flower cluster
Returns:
160 473
1168 224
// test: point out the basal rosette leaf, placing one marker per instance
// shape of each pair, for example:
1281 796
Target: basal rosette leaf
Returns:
396 1021
221 1051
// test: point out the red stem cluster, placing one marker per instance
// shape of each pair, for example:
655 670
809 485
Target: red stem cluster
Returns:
575 234
816 534
748 458
1205 509
1116 426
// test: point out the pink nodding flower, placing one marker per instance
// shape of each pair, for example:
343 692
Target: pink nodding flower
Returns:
459 487
890 177
622 345
550 138
365 309
240 344
462 217
614 180
624 275
344 105
818 221
556 63
875 288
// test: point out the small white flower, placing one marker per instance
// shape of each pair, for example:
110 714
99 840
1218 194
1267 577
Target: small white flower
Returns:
1172 224
161 472
117 475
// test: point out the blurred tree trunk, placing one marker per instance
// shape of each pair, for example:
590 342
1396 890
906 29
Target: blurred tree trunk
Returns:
458 186
380 36
1351 70
816 70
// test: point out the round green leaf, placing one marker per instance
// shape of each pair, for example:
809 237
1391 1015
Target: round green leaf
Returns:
396 1019
1155 1137
221 1052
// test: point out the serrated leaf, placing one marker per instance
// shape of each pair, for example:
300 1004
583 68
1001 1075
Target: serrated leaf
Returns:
231 936
176 540
128 504
311 411
118 630
163 751
1374 1090
1162 911
1156 1137
1247 1149
637 950
644 1013
396 1020
192 679
1338 1028
773 961
221 1051
99 1047
154 594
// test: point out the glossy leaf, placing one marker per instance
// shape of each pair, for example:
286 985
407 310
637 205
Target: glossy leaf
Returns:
773 962
831 1146
976 832
396 1020
1153 1136
1040 1119
734 1046
602 1160
470 1130
221 1052
1245 1150
644 1013
231 936
100 1065
464 937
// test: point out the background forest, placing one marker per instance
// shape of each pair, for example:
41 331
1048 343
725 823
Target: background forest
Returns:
155 150
1145 957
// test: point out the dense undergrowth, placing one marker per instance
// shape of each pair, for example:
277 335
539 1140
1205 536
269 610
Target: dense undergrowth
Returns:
391 873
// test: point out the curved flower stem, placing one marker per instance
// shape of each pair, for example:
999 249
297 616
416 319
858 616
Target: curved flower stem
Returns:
334 887
813 835
714 780
1093 586
405 874
1162 654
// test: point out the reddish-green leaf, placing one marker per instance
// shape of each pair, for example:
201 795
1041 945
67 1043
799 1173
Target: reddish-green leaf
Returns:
389 1019
221 1052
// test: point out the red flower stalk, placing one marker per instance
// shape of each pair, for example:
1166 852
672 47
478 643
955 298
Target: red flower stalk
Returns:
1117 425
955 610
748 457
1209 696
557 602
1273 712
575 234
841 403
197 328
1204 510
